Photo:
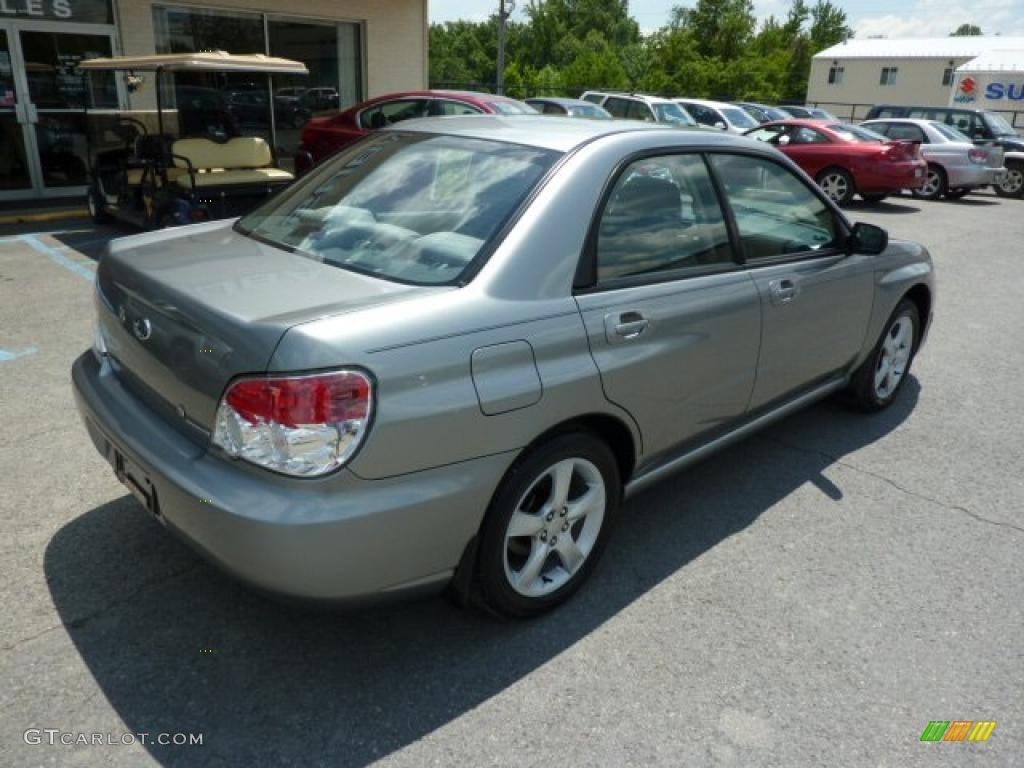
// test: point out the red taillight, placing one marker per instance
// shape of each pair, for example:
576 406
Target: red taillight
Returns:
979 156
298 425
902 150
327 399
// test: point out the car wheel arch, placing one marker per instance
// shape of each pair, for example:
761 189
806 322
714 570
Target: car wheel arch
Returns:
921 295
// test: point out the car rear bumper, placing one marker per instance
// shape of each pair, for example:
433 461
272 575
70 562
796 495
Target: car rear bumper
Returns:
885 177
977 176
335 538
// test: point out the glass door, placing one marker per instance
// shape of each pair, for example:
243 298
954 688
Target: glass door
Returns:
58 96
44 140
16 174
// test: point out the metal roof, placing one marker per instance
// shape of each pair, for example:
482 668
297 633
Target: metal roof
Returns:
215 61
995 61
920 47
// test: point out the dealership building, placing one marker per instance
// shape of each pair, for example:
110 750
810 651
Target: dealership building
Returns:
353 49
978 72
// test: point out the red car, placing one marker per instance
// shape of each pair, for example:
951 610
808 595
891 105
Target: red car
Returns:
846 159
323 136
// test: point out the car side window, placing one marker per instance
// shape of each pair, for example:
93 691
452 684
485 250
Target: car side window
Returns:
769 133
662 216
391 112
776 213
552 109
444 107
804 135
638 110
702 114
905 132
618 107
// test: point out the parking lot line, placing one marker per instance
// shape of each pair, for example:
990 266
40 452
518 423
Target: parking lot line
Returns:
57 257
12 354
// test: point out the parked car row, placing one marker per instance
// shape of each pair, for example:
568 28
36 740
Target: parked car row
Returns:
929 156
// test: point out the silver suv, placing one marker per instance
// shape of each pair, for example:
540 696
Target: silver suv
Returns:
638 106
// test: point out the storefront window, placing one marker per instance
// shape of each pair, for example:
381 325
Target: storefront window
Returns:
238 103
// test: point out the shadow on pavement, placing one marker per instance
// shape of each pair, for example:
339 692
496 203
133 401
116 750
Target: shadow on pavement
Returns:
177 647
885 207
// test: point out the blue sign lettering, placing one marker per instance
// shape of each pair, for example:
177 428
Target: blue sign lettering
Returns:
994 91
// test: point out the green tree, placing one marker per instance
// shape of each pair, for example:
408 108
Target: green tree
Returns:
966 30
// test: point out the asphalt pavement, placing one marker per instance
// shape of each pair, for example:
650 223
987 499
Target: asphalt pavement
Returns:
814 596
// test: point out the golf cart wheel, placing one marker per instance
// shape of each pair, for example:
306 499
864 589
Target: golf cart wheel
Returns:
1012 184
97 212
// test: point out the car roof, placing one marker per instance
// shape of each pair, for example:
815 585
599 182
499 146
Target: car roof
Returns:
705 102
639 96
554 133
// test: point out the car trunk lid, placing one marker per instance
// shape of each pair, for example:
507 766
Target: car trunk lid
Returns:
183 312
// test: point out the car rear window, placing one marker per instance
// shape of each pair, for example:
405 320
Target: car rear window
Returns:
509 107
855 132
415 208
950 132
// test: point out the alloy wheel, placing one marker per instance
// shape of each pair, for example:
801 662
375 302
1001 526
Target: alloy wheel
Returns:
835 186
1013 181
894 356
931 185
554 527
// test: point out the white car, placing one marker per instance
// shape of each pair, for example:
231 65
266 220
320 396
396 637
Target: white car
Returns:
640 106
956 165
718 114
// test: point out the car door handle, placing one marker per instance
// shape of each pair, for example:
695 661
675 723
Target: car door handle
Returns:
784 290
629 325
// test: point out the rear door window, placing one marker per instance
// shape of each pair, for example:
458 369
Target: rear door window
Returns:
662 217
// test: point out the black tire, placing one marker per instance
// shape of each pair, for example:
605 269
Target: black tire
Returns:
1012 184
956 193
936 184
863 393
97 212
873 199
526 487
837 184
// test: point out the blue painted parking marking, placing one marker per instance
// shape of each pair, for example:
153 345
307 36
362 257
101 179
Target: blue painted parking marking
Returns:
13 354
57 257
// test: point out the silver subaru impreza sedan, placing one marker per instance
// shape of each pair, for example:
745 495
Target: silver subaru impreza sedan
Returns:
446 355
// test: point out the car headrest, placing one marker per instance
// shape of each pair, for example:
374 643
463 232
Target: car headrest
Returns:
647 196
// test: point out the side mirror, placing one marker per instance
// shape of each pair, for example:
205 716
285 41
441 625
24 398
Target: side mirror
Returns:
867 239
720 125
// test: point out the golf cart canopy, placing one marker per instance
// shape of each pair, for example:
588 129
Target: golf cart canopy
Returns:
216 61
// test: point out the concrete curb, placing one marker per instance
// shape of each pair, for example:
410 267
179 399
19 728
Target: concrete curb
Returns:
30 217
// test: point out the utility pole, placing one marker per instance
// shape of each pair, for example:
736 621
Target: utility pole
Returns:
505 8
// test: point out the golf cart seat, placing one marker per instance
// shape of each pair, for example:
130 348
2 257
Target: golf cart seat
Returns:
238 161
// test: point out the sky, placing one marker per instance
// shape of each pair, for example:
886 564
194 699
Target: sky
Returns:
891 18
